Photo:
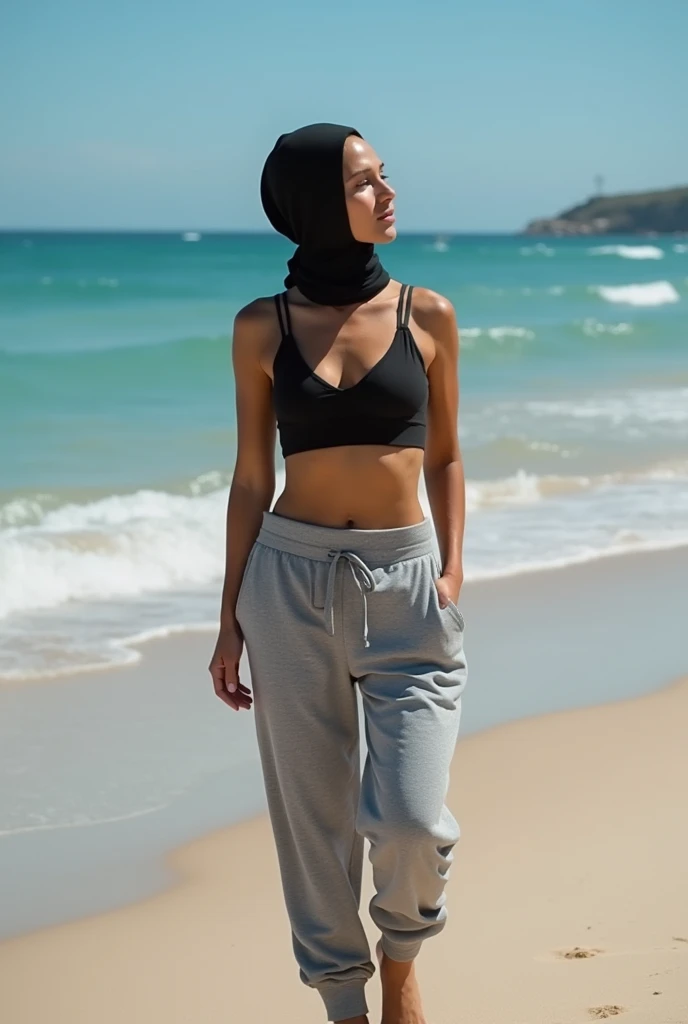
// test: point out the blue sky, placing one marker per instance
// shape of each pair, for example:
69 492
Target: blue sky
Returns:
159 115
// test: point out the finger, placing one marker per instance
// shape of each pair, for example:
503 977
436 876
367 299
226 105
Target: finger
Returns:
232 700
232 678
236 703
237 699
224 678
220 683
242 694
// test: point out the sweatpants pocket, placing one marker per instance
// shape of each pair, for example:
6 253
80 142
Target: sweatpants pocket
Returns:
451 607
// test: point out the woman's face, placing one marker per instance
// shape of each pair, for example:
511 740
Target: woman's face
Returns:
368 195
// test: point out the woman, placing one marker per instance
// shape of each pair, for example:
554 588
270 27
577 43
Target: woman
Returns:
339 584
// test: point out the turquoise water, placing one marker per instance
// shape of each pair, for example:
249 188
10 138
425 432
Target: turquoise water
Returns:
117 431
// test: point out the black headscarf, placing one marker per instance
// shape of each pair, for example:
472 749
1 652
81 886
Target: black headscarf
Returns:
302 191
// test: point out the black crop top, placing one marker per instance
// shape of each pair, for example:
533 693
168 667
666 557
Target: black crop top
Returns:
388 405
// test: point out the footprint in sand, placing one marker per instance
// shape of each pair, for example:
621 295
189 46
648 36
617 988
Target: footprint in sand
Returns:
602 1012
577 953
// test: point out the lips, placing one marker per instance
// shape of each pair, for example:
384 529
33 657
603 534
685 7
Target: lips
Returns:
387 215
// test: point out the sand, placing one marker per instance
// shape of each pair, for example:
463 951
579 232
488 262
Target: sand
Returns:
568 898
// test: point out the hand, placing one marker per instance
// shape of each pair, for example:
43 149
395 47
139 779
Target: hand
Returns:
449 587
224 668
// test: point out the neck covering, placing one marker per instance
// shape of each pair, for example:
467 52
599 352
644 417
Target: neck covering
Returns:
302 191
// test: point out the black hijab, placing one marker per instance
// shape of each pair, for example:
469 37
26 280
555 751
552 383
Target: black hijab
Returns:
302 191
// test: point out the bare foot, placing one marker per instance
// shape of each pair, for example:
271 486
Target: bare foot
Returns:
401 1002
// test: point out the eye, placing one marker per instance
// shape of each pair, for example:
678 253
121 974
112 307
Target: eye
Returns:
367 181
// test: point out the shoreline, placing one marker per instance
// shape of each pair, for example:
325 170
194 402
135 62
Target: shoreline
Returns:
568 887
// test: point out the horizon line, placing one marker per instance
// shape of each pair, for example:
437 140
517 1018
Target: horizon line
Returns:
232 231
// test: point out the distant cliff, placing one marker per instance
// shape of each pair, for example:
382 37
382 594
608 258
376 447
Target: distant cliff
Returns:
663 212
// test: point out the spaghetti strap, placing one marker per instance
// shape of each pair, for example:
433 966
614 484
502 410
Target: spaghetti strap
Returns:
280 314
407 314
400 307
287 315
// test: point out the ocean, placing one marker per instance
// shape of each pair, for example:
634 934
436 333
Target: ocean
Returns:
118 435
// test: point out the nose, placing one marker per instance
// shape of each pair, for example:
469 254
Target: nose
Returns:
386 191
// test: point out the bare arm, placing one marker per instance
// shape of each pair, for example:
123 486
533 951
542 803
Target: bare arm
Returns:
251 492
443 465
253 482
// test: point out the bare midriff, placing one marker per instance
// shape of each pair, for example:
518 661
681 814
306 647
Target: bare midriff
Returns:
364 487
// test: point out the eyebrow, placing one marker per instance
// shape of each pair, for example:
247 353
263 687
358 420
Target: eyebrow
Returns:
363 170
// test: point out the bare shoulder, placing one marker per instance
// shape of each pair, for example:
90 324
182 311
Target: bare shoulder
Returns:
255 329
433 312
256 316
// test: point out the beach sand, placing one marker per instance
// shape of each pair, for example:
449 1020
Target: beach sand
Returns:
568 898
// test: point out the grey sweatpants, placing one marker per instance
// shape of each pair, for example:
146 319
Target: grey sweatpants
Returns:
322 609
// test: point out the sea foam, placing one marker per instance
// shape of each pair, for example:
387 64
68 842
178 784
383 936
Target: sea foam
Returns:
498 334
629 252
654 293
124 546
593 327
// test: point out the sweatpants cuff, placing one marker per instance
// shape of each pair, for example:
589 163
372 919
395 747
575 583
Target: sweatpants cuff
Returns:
403 953
344 999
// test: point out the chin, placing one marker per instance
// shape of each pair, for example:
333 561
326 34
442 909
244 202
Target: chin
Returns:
379 234
387 233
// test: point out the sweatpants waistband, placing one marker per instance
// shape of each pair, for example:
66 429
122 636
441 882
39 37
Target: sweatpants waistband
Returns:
362 550
376 548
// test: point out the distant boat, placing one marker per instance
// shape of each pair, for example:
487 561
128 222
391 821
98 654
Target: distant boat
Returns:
440 244
191 236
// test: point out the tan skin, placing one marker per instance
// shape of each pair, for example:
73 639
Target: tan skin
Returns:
361 486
